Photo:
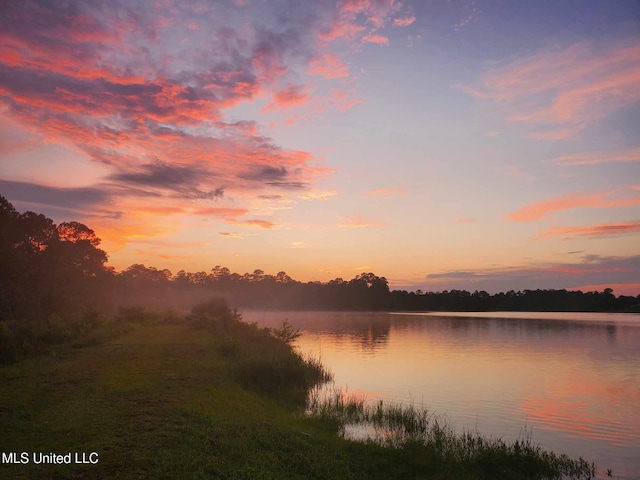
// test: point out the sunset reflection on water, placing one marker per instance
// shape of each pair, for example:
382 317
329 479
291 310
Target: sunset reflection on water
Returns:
571 380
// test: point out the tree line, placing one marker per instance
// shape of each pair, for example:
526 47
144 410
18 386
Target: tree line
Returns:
50 270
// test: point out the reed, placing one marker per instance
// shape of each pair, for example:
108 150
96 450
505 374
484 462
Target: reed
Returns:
424 434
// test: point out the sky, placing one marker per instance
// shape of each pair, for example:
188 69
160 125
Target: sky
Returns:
444 144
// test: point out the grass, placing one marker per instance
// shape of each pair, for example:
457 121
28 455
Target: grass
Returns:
209 397
427 435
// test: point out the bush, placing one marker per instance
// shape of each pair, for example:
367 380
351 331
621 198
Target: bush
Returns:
264 359
8 343
20 339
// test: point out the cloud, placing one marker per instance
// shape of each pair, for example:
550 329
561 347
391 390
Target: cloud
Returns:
234 235
265 173
328 66
342 99
592 269
137 87
182 180
299 245
358 221
623 197
318 195
594 158
378 39
222 212
454 275
165 96
266 224
290 96
466 220
594 231
387 192
80 199
403 22
561 91
346 24
271 197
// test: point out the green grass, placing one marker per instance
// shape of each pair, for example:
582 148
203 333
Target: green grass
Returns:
206 397
417 430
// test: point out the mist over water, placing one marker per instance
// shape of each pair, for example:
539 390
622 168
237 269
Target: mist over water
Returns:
572 380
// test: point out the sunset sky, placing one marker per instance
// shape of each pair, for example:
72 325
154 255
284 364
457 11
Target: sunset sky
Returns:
442 144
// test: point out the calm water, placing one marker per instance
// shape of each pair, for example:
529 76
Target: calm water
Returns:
573 379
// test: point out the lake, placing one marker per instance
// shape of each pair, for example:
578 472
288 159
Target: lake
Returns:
571 380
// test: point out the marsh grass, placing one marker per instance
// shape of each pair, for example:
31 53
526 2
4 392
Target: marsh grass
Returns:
210 396
427 435
263 358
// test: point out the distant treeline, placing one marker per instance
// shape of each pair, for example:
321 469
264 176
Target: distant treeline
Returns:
49 270
366 291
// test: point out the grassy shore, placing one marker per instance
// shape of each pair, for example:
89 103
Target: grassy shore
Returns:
208 396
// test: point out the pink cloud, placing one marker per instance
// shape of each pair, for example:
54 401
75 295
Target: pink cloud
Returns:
346 24
593 158
556 134
378 39
540 209
591 270
342 99
565 89
594 231
290 96
403 22
142 91
328 66
387 192
341 30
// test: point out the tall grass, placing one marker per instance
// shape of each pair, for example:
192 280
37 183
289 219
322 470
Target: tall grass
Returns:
427 435
263 359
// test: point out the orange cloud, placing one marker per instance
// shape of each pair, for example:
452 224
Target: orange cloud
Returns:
567 89
318 195
290 96
541 209
299 245
226 213
594 231
358 221
157 123
116 235
593 158
234 235
266 224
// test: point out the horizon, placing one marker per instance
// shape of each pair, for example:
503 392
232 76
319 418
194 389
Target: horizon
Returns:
456 145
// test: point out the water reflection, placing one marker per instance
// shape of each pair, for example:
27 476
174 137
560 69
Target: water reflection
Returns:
369 331
574 379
